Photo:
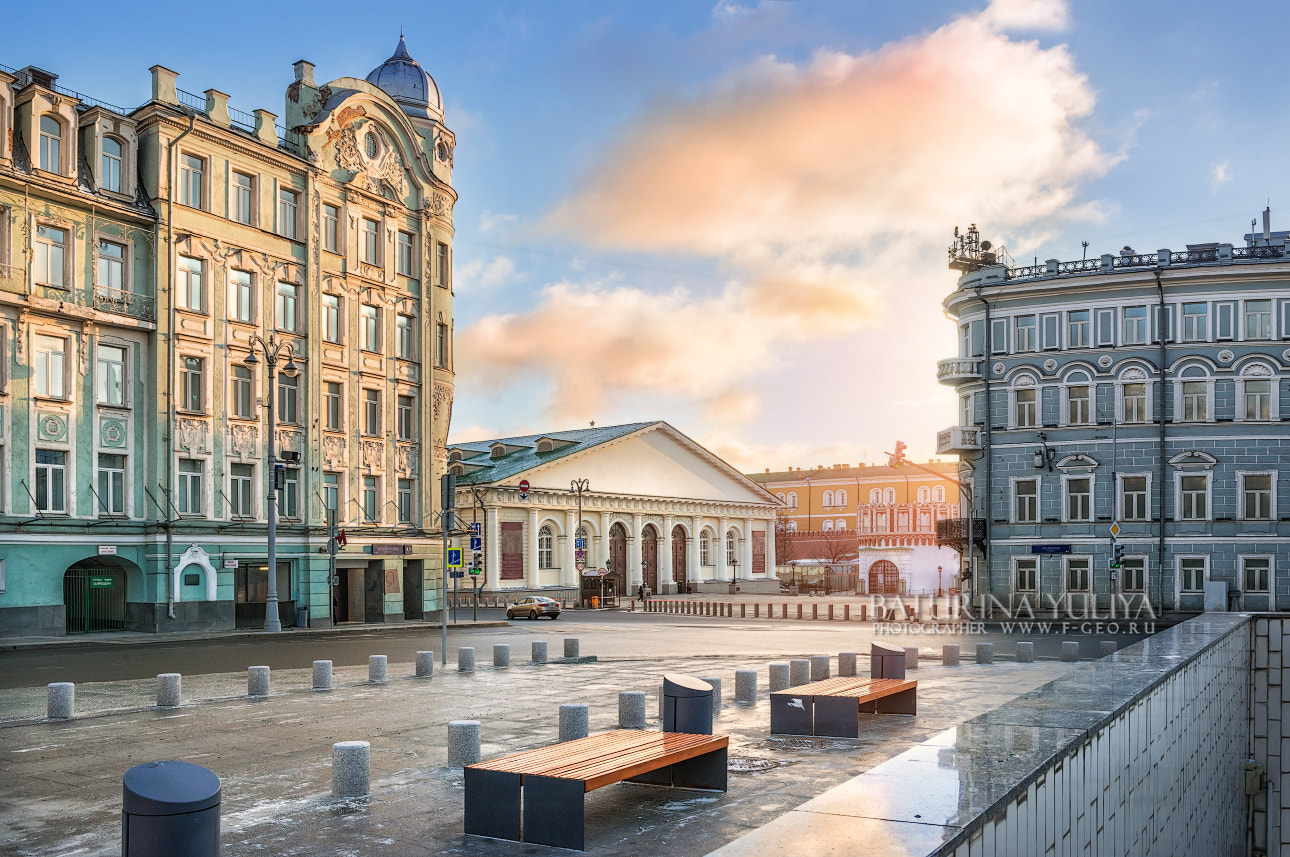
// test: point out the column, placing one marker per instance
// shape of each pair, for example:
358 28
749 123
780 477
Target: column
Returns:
723 570
692 556
568 568
602 549
665 555
746 564
533 548
493 550
770 550
634 554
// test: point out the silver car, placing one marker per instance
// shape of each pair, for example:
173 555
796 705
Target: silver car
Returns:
534 606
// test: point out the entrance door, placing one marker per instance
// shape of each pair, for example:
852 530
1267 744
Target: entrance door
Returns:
884 578
413 584
251 594
618 558
374 592
649 556
678 554
340 597
94 597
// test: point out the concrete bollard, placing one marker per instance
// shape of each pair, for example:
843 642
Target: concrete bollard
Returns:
716 692
378 669
1070 651
463 743
950 655
911 657
745 685
425 664
257 681
322 675
799 611
571 647
466 659
573 721
61 701
847 663
815 611
351 769
660 702
819 667
985 653
501 655
631 709
799 672
1025 653
539 651
1106 647
846 612
168 690
779 677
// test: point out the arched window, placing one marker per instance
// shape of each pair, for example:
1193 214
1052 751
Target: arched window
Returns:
792 499
840 499
1025 402
889 496
546 551
828 499
51 144
924 494
705 548
730 548
792 526
110 175
938 494
840 525
875 496
1135 403
1258 394
828 526
1079 399
1193 404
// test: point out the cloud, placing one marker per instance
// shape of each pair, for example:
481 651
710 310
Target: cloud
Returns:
479 276
489 222
1219 175
1027 14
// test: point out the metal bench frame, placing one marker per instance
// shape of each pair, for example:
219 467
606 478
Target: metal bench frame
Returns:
831 708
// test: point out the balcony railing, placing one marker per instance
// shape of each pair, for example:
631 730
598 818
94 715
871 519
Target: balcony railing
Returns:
957 439
958 369
952 532
1197 256
142 307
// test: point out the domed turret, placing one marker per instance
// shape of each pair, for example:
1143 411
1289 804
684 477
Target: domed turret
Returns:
406 82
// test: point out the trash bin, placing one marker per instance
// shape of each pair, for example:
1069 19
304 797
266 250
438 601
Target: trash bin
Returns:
886 661
170 809
302 617
687 705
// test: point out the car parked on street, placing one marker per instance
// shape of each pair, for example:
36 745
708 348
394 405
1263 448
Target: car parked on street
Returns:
532 607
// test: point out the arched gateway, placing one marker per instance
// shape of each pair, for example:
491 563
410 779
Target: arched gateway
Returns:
94 594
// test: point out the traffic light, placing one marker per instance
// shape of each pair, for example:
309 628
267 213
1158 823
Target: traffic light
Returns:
1117 559
897 458
477 560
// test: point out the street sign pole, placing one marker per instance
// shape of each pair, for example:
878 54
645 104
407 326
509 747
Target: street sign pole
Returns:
331 564
447 486
474 581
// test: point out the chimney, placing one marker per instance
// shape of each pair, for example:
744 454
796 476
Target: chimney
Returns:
163 85
304 72
1267 224
217 107
265 131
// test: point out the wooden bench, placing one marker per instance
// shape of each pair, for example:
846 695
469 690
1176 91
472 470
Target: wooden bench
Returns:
537 796
831 708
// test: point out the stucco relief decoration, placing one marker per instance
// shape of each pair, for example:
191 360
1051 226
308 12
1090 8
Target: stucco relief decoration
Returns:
111 433
442 399
405 458
51 427
439 452
290 440
1105 361
998 368
363 150
20 342
1050 365
244 439
334 451
83 350
1226 356
1285 355
444 147
1258 370
192 435
373 454
440 206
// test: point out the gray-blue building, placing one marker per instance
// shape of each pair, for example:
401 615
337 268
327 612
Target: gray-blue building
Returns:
1144 392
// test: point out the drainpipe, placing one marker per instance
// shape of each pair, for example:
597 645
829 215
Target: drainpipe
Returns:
987 348
1160 421
170 357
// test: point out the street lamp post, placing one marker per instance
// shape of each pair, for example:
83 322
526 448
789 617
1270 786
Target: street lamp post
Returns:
273 350
577 486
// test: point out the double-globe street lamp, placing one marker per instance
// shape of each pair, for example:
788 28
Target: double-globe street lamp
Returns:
577 486
273 351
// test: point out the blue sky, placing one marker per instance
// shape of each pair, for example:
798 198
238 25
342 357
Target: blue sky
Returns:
732 215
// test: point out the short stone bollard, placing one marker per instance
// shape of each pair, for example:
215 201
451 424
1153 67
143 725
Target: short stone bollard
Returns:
257 681
819 667
463 743
61 701
322 675
1106 647
539 651
985 653
378 669
745 685
501 655
466 659
1025 653
425 664
168 690
631 709
1070 651
573 721
799 671
350 769
779 677
950 655
571 647
716 692
847 663
911 657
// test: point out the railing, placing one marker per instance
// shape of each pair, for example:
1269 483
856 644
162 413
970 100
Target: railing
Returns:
142 307
242 119
958 438
189 99
1147 260
1258 252
953 531
958 368
86 101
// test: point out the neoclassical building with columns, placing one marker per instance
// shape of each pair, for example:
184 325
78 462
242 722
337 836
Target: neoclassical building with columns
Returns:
657 508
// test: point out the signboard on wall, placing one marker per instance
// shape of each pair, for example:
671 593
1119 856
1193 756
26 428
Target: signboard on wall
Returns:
107 550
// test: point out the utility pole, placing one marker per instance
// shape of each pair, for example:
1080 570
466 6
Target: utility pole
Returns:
447 488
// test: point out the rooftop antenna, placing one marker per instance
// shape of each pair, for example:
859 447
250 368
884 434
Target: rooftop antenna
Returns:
1267 222
1084 244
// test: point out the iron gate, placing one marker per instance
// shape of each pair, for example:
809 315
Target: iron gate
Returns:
94 599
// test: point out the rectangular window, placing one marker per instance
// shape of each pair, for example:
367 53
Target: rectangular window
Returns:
111 375
51 481
1195 401
243 193
1258 319
967 410
191 170
441 345
111 266
1258 574
1051 331
1195 320
406 423
50 366
369 242
1105 327
241 305
110 179
239 489
999 336
371 499
288 306
111 484
371 412
240 392
1256 496
333 397
50 262
190 487
1193 505
370 325
1135 325
403 337
1078 329
191 372
188 283
1027 575
289 400
1133 574
1225 320
404 248
1026 333
51 144
1135 403
441 263
331 228
1258 400
1027 412
1079 500
331 318
1133 498
1078 411
405 501
331 491
288 209
1077 574
1191 573
289 496
1027 509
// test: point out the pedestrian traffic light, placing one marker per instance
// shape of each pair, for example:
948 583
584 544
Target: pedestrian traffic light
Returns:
1118 558
477 560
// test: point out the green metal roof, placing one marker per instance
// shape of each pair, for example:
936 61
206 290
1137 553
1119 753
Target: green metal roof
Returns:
493 470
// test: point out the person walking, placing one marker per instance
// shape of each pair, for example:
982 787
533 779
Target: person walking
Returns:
640 591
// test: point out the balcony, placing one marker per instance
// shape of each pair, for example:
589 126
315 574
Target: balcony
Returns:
142 307
958 439
956 370
952 532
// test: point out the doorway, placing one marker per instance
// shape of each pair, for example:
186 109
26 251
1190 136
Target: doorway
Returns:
94 596
679 556
649 557
618 558
884 578
413 587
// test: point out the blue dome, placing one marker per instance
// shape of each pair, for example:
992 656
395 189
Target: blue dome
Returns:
401 78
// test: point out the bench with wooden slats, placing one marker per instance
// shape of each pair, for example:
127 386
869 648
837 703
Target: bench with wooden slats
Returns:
831 708
537 796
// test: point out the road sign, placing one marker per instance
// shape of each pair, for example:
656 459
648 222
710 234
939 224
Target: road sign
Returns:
107 550
580 564
97 582
476 543
524 486
476 529
1115 529
579 543
454 574
454 559
1050 548
580 554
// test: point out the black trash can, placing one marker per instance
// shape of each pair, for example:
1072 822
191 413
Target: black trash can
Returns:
886 661
687 705
170 809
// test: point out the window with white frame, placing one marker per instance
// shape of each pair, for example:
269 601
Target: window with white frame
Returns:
705 548
1079 332
333 405
828 525
331 318
1135 325
241 398
289 496
111 484
331 491
1133 397
1026 335
1191 573
406 413
192 171
840 499
243 198
188 283
403 336
51 144
369 244
190 486
1078 402
1133 574
1256 496
1258 319
1194 394
924 494
404 262
1134 504
370 327
731 558
405 500
241 296
1079 499
967 409
371 499
192 375
938 494
331 228
110 165
1025 402
828 499
1078 573
441 263
111 268
1257 392
1256 573
792 499
780 495
240 479
110 378
288 399
288 307
546 547
1195 322
889 495
1193 497
1027 575
51 481
1026 493
371 412
441 345
50 366
792 526
49 267
288 212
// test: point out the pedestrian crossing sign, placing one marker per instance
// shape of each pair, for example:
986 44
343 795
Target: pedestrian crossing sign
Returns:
454 558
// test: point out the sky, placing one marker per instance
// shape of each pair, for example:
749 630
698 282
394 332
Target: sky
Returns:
732 215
